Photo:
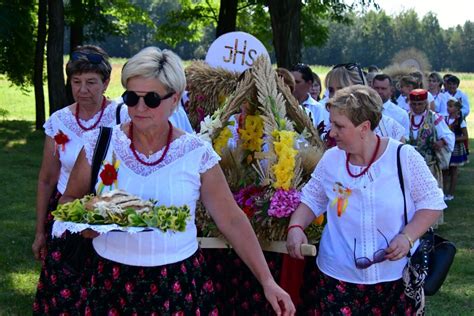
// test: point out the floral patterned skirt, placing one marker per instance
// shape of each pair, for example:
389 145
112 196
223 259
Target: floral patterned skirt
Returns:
237 290
181 288
323 295
60 289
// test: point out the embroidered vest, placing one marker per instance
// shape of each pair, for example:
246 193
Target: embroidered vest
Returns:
425 139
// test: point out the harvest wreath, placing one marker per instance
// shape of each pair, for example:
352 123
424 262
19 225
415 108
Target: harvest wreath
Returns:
268 148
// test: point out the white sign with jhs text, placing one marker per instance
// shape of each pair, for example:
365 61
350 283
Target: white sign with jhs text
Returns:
235 51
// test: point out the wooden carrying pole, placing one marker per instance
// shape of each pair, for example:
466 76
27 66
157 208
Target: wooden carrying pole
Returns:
273 246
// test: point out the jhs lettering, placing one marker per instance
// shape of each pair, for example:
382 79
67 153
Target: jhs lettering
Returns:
234 51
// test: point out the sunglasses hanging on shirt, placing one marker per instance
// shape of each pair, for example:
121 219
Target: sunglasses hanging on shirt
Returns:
152 99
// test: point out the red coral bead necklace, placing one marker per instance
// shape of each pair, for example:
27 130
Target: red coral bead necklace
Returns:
417 126
98 120
372 160
167 147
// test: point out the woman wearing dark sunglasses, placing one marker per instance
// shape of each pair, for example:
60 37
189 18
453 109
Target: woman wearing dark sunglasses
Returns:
155 272
88 72
364 244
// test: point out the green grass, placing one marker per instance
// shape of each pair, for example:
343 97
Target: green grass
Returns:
20 158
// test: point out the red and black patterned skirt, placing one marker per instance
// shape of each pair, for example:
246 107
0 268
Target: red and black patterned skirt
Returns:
60 288
323 295
181 288
237 290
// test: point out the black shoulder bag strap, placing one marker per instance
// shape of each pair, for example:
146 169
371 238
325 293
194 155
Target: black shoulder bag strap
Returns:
425 241
77 248
402 185
100 151
117 113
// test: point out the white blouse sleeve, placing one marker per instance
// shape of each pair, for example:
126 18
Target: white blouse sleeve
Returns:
313 194
90 140
209 158
465 109
423 187
398 131
444 132
48 127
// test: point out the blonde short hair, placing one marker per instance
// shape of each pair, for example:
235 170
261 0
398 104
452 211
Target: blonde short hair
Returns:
359 103
154 63
345 75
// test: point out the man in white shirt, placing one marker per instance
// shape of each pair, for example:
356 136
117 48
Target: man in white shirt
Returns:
303 81
452 84
382 83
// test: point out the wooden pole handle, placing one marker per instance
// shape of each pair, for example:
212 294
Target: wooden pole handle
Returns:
272 246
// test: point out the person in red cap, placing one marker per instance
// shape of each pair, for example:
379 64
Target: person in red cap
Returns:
429 133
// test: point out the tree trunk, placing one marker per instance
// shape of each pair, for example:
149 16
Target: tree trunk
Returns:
39 64
77 25
286 25
227 17
56 89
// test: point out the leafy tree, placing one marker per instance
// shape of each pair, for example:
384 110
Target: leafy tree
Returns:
93 20
376 40
17 31
433 42
467 47
186 21
407 29
287 18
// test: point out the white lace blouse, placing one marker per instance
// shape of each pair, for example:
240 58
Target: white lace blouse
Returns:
375 203
388 127
175 181
65 121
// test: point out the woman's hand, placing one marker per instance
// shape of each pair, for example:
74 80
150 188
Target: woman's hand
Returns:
279 299
39 246
89 233
296 237
398 248
439 144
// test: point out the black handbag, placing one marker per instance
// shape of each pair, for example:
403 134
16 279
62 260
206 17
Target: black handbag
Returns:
78 249
433 257
441 254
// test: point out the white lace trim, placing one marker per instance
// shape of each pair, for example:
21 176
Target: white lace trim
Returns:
60 227
423 187
178 148
389 127
69 120
312 193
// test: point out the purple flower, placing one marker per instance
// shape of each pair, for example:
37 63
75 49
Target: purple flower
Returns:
283 203
246 197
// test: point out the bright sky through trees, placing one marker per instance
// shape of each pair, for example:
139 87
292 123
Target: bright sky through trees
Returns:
449 12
